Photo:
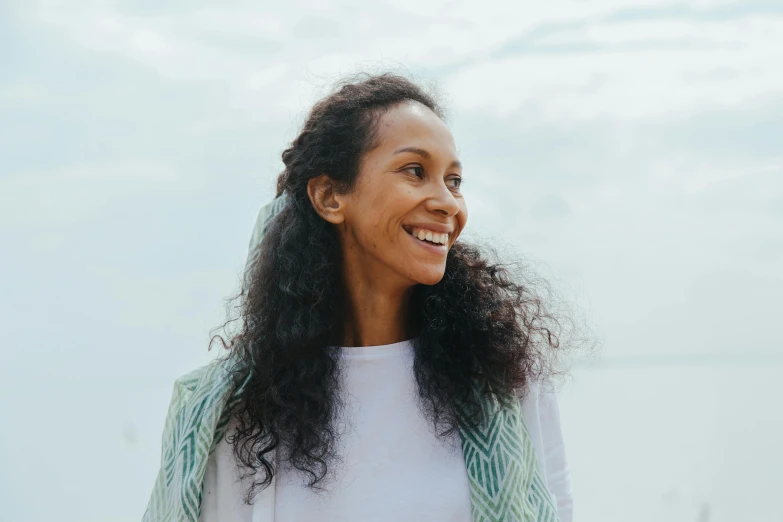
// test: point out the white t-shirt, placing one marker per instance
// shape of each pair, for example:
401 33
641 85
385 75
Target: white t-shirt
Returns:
394 467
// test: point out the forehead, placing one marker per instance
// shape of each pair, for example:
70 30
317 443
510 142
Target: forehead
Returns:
414 124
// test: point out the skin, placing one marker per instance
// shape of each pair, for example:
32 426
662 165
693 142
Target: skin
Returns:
382 261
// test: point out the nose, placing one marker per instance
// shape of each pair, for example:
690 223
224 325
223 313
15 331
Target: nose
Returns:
441 199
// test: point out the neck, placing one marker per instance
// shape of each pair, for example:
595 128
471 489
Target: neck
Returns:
378 306
376 317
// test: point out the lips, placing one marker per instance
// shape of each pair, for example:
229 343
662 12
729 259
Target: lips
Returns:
434 248
439 228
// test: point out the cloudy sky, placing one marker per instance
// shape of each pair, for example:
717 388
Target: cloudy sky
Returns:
632 151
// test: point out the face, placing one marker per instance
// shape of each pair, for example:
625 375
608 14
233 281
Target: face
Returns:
406 210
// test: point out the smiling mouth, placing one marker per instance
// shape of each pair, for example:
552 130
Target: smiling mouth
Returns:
445 240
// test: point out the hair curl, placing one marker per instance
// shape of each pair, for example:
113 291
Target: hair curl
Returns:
478 325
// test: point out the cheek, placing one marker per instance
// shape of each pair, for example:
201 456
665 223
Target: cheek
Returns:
379 233
379 214
389 214
462 216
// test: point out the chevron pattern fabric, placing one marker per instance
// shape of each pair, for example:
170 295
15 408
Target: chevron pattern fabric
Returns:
194 424
506 484
539 498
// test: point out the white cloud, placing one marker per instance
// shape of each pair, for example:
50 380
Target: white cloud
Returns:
640 69
729 63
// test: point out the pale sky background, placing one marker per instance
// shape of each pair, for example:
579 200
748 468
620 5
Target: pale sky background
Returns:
632 150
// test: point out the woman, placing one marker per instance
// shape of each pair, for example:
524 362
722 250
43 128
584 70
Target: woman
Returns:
384 370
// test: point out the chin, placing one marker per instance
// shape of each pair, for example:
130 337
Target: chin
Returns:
429 277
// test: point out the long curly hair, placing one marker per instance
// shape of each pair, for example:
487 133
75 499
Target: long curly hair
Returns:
480 327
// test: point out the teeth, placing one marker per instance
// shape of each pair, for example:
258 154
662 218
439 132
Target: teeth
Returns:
432 237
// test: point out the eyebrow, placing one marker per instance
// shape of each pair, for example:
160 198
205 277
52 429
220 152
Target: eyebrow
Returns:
426 155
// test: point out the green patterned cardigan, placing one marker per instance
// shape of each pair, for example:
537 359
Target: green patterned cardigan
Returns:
506 481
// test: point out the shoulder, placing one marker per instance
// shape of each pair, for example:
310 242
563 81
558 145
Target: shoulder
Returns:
199 378
200 390
540 412
536 390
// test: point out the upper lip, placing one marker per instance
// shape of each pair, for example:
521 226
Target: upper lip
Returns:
435 227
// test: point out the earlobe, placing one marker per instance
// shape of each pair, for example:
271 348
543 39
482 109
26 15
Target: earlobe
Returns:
325 199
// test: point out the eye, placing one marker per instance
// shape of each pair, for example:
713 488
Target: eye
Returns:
458 180
418 168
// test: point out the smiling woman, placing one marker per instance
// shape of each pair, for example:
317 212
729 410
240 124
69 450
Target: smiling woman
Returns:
401 189
384 370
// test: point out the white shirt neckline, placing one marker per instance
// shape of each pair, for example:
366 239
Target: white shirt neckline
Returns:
376 351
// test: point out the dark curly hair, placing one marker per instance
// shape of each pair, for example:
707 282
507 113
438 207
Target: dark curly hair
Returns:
480 325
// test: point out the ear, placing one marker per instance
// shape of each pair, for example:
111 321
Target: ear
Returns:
325 199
